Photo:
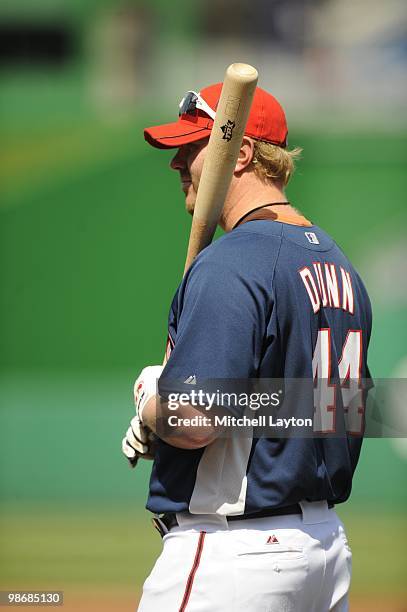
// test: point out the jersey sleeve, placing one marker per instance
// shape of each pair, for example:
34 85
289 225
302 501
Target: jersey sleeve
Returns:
221 327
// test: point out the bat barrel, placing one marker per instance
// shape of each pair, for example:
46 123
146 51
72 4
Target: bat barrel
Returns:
221 155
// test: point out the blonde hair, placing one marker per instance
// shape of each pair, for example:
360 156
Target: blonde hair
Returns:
273 162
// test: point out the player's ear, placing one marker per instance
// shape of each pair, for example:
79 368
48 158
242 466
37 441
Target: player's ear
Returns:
245 154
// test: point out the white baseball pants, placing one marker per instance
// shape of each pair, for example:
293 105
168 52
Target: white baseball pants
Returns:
291 563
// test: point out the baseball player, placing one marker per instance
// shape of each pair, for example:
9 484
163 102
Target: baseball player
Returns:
248 522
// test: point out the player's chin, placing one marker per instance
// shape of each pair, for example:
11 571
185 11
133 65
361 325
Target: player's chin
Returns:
189 207
190 202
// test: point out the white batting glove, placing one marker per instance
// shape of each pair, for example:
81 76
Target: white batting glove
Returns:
138 442
145 387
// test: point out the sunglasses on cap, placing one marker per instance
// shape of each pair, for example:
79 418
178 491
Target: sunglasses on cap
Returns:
192 102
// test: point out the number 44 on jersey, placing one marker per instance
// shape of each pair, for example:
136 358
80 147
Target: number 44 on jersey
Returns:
350 383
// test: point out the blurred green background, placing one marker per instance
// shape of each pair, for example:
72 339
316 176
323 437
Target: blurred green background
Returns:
93 235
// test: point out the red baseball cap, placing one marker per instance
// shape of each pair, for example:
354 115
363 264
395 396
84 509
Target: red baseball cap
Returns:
266 121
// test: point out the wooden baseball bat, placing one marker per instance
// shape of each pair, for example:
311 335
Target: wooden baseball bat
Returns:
221 155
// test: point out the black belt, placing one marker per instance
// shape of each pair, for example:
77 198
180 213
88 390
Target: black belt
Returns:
165 522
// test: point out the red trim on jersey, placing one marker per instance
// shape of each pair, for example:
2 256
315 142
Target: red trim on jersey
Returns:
192 573
168 348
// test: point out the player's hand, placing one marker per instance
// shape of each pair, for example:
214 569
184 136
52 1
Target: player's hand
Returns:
145 387
138 442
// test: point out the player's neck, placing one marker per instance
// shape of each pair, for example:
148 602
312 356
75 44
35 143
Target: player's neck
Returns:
243 198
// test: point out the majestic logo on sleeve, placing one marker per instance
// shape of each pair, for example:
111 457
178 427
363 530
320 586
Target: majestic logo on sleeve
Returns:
227 130
323 288
191 380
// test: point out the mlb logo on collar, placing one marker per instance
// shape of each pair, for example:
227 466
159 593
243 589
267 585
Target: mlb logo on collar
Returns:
311 237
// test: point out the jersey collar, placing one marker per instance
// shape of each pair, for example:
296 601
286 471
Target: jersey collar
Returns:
262 213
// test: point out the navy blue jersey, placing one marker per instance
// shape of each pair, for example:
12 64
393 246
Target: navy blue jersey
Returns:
267 300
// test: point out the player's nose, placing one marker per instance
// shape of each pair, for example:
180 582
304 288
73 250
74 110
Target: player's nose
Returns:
178 161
